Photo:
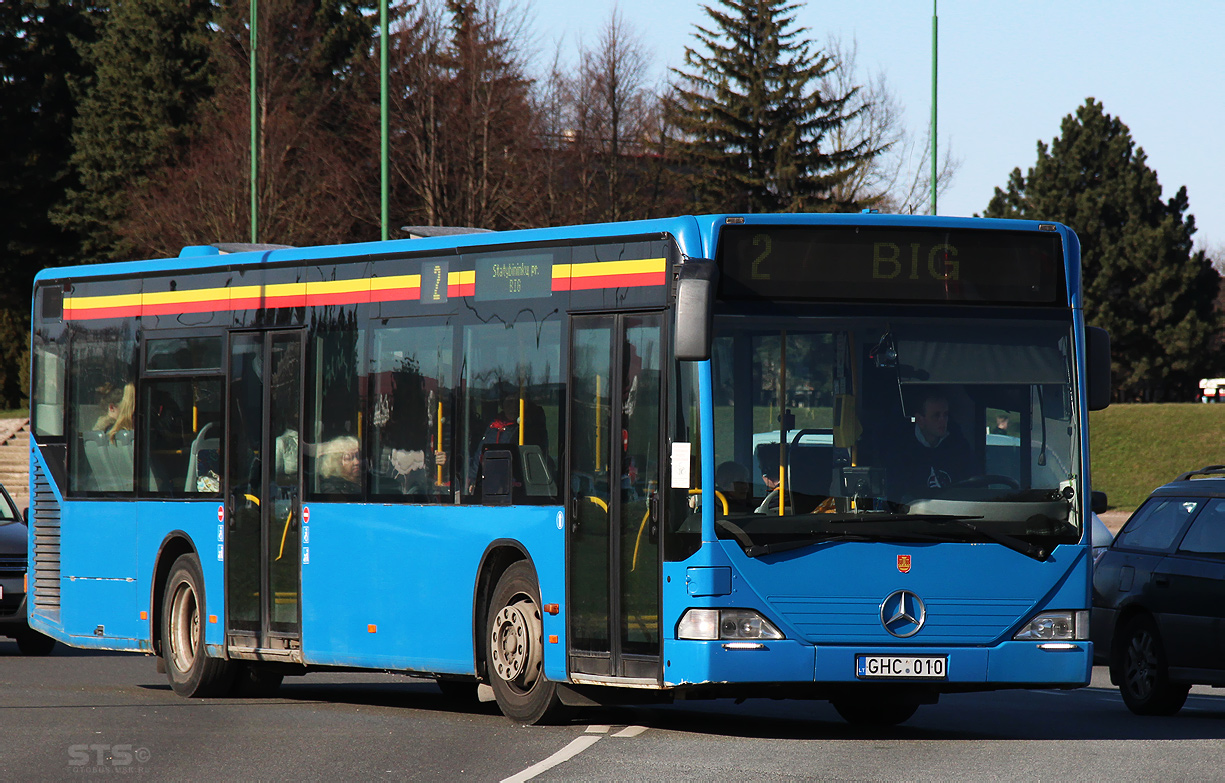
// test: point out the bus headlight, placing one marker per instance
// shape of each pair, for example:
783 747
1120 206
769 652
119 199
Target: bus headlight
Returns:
713 624
1055 627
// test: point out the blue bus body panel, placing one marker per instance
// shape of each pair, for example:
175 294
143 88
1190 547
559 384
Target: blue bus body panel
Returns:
827 604
393 586
99 574
106 570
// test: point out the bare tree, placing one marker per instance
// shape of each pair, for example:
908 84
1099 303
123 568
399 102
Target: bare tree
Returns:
617 103
465 128
308 191
899 179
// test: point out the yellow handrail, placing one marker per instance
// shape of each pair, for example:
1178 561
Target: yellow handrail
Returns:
719 495
638 541
284 534
598 502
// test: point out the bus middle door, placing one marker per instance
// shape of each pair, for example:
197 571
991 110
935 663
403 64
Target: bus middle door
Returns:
613 569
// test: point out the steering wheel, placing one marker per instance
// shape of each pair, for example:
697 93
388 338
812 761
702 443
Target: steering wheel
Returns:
986 480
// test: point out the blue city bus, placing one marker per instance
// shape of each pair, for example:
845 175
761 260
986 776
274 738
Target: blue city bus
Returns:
839 457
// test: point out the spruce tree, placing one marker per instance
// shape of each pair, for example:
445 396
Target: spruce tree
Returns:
1143 281
150 70
38 61
753 126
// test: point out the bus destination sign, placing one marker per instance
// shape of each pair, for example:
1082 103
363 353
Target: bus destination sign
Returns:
859 263
514 276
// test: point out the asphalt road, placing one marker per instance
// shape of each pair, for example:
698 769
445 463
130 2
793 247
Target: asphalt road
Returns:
76 714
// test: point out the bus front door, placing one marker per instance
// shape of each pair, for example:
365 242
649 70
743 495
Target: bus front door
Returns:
263 494
613 562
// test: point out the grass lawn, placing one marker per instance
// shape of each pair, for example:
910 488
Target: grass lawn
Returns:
1135 448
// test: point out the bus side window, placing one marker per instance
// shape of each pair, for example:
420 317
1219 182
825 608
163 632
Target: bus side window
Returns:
334 412
181 438
103 406
513 398
410 411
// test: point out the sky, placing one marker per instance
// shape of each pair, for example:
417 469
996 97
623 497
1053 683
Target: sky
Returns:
1009 71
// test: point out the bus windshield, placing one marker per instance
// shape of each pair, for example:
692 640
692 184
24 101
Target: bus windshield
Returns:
895 429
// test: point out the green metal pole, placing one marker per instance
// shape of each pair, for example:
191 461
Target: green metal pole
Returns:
254 128
384 167
935 166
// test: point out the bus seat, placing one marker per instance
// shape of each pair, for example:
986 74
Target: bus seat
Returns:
122 460
201 443
102 477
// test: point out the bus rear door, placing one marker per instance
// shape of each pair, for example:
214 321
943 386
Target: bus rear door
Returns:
263 494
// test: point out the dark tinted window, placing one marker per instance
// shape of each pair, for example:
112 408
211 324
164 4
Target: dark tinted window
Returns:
1207 533
183 353
1157 524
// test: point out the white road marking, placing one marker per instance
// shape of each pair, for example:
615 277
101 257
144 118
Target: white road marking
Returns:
630 731
598 729
560 757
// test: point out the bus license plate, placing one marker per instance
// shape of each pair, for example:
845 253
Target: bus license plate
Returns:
927 667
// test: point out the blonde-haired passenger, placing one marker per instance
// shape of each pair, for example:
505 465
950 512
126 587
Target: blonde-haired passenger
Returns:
120 406
339 466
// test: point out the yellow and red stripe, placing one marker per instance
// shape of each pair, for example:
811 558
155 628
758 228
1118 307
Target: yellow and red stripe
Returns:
397 288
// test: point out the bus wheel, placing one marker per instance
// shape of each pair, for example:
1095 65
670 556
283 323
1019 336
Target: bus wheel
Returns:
253 682
32 642
190 671
1145 682
875 710
515 658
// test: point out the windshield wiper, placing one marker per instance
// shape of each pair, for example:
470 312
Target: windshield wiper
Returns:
757 550
1041 554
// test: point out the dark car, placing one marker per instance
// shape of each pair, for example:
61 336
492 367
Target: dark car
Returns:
13 543
1159 595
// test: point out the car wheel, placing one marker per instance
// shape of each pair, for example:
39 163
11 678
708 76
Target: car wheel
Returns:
32 642
1144 678
190 671
871 710
515 659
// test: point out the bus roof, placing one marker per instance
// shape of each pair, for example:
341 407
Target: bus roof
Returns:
692 232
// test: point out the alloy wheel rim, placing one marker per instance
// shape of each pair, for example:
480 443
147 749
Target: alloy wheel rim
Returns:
1141 664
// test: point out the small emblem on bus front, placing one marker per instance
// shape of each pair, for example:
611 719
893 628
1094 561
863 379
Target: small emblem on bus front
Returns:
903 563
903 613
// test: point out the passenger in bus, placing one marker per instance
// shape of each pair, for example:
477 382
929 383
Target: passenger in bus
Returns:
503 429
120 405
412 469
339 466
732 480
932 455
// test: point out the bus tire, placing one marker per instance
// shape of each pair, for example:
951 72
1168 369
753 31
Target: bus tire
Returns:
1144 678
252 681
31 642
514 633
188 668
875 710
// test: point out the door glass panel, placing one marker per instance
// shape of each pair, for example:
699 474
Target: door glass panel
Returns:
283 545
639 552
591 496
245 449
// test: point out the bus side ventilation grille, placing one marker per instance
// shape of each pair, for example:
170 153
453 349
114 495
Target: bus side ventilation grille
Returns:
45 586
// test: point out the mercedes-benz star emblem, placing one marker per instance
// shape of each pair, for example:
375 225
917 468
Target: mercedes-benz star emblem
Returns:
903 613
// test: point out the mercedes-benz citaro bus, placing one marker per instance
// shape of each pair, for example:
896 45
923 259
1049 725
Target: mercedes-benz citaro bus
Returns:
838 457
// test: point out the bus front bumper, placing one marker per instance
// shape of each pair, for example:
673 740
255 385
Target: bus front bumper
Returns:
1008 664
